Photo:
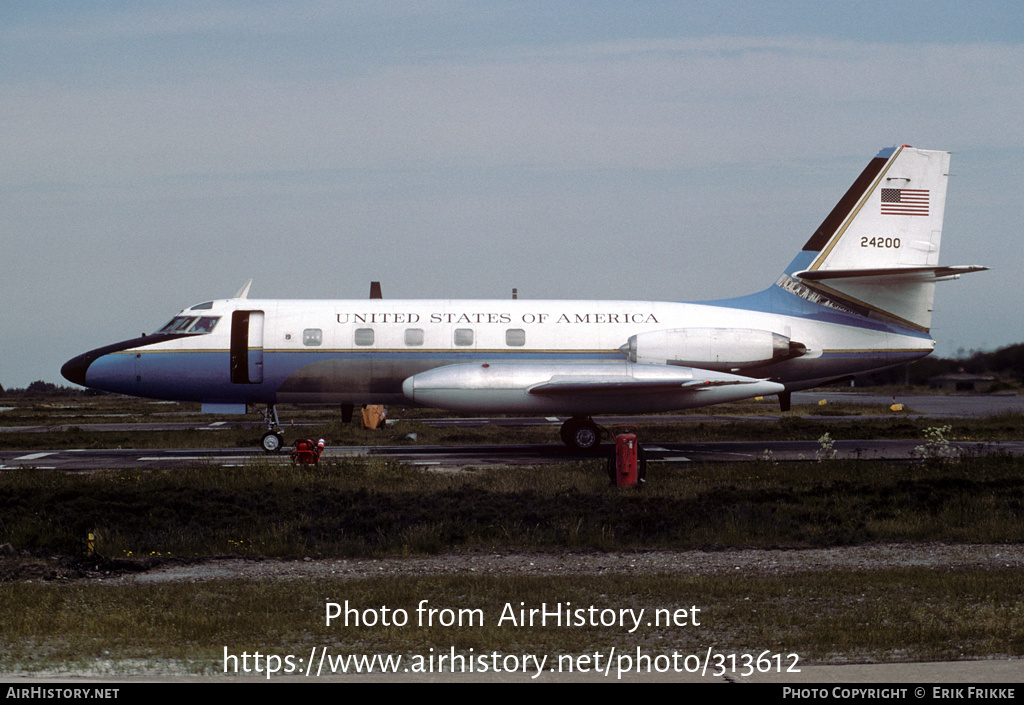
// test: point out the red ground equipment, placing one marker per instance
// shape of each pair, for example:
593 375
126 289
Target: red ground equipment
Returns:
628 466
307 452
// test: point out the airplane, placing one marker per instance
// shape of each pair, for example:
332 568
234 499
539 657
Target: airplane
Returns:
857 298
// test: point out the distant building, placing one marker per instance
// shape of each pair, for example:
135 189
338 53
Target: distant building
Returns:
962 382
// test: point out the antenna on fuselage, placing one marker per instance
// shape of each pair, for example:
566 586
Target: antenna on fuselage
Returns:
375 291
243 293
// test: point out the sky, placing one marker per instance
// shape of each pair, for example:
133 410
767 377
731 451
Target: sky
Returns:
154 155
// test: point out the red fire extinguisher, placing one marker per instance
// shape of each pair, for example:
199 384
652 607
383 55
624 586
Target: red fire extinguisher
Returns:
627 467
306 452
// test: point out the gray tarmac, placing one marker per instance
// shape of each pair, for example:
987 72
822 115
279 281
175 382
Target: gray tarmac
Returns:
456 457
917 406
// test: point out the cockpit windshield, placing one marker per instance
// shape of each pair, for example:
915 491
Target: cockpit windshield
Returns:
190 324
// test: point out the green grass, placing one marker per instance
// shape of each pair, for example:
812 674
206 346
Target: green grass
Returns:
900 614
375 507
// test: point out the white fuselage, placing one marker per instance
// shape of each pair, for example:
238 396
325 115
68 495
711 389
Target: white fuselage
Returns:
363 351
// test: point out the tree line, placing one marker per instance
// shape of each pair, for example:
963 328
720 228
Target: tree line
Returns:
1005 364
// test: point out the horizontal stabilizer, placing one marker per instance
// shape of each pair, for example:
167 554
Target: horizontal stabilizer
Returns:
906 273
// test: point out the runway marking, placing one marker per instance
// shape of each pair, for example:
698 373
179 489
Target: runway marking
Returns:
34 456
666 459
196 457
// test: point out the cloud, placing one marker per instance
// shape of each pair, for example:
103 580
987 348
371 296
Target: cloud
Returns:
639 105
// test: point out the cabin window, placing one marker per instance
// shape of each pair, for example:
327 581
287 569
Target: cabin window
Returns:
364 336
203 306
463 336
312 336
515 336
414 336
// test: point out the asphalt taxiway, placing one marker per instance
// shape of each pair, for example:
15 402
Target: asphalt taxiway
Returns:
917 406
447 457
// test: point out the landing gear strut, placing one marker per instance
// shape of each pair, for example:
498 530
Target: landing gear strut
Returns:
581 434
785 400
272 440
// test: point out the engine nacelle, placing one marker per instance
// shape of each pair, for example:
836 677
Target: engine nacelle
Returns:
724 349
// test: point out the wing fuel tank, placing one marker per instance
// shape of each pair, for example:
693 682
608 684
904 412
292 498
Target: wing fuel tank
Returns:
578 388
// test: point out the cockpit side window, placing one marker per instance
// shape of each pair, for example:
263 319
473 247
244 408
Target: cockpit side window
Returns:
190 324
204 324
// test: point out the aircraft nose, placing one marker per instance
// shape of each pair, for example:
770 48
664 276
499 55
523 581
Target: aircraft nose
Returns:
74 369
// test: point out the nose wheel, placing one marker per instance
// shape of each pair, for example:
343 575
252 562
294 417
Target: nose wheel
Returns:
272 442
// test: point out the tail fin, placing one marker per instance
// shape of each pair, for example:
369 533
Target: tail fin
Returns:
877 252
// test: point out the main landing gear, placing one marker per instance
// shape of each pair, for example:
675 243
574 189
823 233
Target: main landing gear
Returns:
581 434
272 440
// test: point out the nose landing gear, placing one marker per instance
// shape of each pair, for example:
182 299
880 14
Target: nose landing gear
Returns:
272 441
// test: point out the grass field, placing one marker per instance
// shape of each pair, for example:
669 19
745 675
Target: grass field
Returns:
55 612
903 614
379 507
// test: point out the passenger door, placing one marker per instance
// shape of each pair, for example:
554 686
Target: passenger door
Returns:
247 347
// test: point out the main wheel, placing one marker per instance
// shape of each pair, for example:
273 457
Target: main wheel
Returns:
581 435
272 442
